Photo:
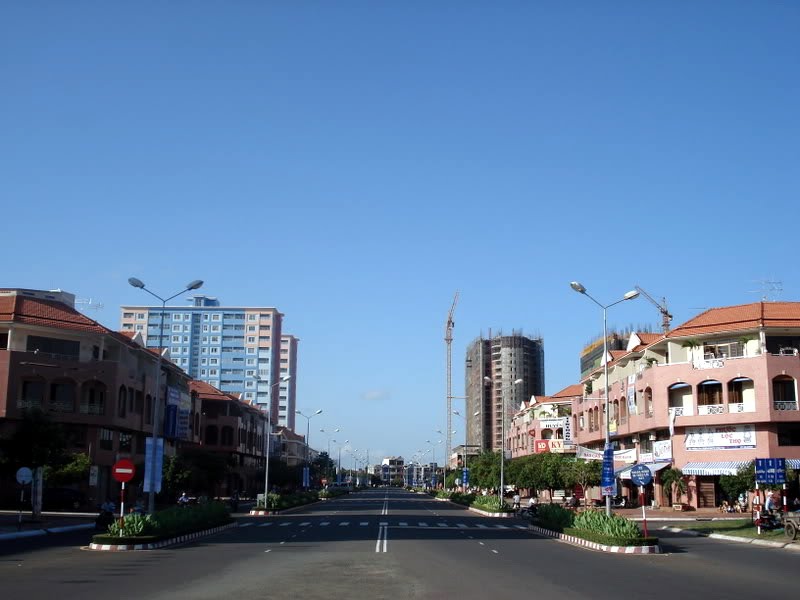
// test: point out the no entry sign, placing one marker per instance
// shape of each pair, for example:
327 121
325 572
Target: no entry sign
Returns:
123 470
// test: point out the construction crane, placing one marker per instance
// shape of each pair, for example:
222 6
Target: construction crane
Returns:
666 317
448 339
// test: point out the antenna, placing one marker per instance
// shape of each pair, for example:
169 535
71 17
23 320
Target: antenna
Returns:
770 291
88 304
666 317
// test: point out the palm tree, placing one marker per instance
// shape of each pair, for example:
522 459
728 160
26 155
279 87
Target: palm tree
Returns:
672 480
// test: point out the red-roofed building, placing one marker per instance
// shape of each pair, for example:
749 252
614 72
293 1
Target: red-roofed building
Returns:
96 382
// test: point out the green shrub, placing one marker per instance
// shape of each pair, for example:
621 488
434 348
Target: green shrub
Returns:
600 538
133 525
490 503
554 517
444 494
613 526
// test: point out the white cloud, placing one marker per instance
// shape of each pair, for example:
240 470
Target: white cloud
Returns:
376 395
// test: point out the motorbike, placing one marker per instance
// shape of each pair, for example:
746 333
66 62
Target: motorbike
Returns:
769 520
103 520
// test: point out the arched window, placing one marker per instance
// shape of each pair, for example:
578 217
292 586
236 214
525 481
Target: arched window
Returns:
212 435
93 398
739 389
784 396
62 396
709 392
31 393
648 401
122 402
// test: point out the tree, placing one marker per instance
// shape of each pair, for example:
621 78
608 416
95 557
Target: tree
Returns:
74 470
553 473
673 482
586 473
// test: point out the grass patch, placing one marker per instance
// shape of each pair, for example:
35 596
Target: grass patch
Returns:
593 536
738 527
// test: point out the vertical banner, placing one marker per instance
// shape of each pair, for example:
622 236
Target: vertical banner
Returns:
607 482
465 477
631 395
306 478
152 481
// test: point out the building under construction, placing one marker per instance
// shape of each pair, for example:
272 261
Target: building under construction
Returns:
503 359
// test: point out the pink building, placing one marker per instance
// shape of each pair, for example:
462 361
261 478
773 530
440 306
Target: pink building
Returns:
707 397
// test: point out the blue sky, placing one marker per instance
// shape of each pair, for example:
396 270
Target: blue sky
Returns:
356 163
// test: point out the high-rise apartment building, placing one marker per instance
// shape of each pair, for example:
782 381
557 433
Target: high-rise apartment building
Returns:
503 359
236 349
287 400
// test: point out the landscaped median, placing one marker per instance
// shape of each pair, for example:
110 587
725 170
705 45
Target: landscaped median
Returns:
278 503
593 529
737 530
488 506
174 525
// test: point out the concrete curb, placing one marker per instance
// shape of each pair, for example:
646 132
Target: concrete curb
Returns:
163 543
39 532
275 513
733 538
576 541
486 513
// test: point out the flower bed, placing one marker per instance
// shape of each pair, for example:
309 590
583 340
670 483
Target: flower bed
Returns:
165 524
593 526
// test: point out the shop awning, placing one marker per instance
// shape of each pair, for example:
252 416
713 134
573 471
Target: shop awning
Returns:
793 463
730 467
625 472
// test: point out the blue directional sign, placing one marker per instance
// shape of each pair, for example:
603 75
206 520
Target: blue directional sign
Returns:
641 475
607 480
465 477
771 471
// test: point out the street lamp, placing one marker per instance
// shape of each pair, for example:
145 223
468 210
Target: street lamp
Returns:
339 465
578 287
466 440
283 379
308 444
151 481
503 389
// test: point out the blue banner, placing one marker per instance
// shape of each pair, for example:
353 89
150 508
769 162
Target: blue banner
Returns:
465 477
151 482
607 480
306 479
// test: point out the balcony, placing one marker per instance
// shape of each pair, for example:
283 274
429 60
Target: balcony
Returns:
711 409
784 405
678 411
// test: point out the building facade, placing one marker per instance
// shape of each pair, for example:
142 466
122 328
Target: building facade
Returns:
234 349
287 397
492 367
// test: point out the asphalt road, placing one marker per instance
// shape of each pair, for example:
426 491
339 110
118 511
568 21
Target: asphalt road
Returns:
390 544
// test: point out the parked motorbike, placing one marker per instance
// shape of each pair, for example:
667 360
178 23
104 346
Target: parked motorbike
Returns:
769 520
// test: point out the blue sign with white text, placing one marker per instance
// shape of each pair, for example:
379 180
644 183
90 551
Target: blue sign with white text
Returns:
641 475
607 480
771 471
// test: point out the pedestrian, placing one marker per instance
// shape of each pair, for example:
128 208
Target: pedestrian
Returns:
183 500
516 500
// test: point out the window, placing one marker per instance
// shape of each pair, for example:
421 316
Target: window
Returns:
205 339
205 328
251 350
251 340
211 435
251 328
249 384
176 339
250 373
251 361
216 317
127 315
265 316
61 348
93 399
215 339
264 338
32 394
122 401
203 372
203 350
213 361
215 328
140 316
215 350
187 328
226 439
106 439
252 317
205 317
139 327
187 317
212 372
62 397
125 440
203 361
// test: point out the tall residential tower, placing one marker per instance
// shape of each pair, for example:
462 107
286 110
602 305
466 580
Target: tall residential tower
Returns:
502 359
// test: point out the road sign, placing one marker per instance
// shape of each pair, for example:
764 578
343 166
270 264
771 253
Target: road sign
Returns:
465 477
123 470
641 475
771 470
153 480
24 475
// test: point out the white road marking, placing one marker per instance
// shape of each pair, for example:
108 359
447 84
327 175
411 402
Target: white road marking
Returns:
423 524
265 524
482 526
267 551
282 543
344 523
364 524
324 523
403 524
246 524
462 526
501 526
285 524
481 543
442 524
520 526
307 523
495 551
383 536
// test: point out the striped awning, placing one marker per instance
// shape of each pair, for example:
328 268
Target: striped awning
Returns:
625 473
730 467
793 463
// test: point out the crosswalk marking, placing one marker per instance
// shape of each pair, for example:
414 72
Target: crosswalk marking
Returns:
462 526
306 524
442 524
246 524
501 526
324 523
423 524
520 526
363 524
344 523
482 526
285 524
265 524
403 524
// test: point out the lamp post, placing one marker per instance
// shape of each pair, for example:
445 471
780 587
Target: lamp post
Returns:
578 287
339 464
503 389
466 440
433 458
308 440
138 283
283 379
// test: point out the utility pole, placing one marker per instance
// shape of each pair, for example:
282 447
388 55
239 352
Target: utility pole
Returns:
448 338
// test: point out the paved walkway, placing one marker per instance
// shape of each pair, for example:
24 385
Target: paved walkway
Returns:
11 527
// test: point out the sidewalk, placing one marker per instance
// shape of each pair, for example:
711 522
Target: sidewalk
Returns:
50 523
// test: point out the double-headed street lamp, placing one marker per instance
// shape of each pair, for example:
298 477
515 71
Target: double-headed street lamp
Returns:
308 442
503 389
283 379
151 481
578 287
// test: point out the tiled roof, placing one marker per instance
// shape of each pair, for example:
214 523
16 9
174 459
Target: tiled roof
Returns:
576 389
46 313
208 392
649 338
741 318
290 435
